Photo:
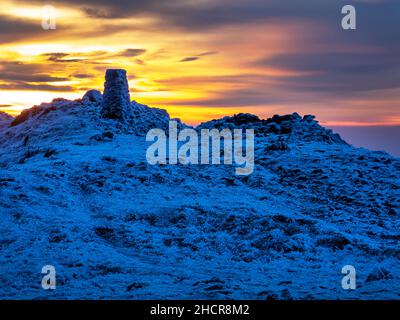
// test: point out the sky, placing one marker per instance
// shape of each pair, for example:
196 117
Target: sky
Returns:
377 138
203 59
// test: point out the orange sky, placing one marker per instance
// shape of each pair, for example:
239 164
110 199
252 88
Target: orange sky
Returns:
263 66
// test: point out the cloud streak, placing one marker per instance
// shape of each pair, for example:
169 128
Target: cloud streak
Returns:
12 29
188 59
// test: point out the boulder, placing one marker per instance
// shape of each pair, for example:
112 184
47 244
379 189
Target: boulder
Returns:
93 96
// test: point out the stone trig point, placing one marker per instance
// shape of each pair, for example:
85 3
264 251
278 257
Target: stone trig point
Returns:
116 102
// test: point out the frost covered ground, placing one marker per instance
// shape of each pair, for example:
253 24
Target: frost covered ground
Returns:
76 192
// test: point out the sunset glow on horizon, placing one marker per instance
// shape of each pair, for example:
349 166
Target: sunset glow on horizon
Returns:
202 60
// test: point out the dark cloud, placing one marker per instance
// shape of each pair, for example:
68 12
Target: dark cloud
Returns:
238 79
60 57
90 56
132 52
55 55
240 99
208 53
338 72
188 59
11 76
332 62
324 85
378 21
82 76
261 91
95 12
93 57
116 9
197 57
21 85
14 29
209 14
29 72
25 76
17 29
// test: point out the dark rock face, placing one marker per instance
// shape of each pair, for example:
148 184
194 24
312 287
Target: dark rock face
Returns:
116 102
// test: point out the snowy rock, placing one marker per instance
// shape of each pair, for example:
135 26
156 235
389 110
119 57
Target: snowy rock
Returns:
238 120
103 137
309 118
379 274
278 145
93 96
116 102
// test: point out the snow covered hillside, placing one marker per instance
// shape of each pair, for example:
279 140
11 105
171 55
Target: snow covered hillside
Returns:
77 192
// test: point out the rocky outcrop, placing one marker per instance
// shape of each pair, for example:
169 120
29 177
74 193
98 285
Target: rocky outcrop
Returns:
116 102
291 126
